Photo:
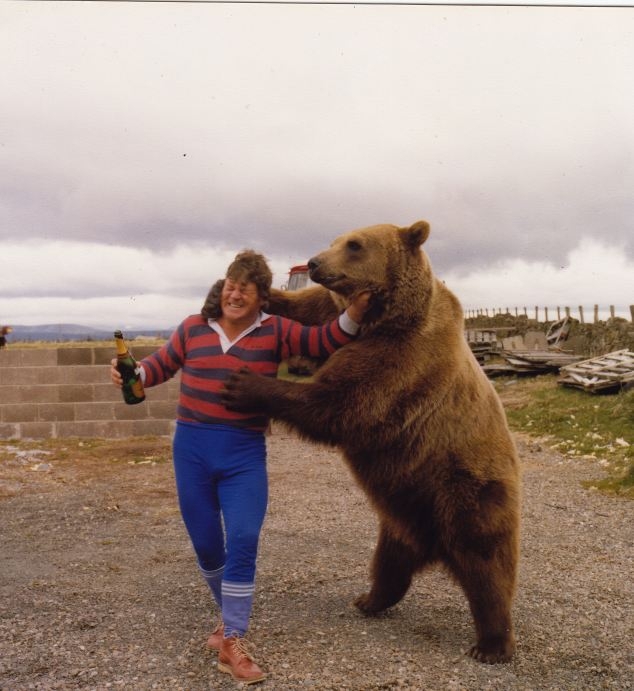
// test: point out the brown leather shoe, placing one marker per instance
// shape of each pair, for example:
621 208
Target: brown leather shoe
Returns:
215 640
236 660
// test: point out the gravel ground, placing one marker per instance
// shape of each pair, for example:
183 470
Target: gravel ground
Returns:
99 588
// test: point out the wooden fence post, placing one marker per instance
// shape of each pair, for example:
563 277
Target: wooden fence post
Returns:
481 312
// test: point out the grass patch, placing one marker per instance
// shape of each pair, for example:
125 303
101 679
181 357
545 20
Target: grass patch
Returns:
578 424
142 450
283 373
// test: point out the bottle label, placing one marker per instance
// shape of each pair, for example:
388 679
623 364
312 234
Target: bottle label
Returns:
132 384
136 387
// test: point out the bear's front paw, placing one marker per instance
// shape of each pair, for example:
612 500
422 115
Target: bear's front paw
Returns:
240 392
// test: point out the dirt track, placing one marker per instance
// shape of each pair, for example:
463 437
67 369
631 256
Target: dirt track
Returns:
99 588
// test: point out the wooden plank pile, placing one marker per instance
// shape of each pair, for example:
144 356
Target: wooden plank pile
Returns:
530 362
528 354
606 373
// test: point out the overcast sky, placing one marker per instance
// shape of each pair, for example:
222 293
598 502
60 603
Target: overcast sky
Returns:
143 144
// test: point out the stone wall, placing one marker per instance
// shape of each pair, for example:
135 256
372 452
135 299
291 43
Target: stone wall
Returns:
66 392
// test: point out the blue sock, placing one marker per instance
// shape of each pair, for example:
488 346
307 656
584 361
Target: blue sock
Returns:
237 600
214 581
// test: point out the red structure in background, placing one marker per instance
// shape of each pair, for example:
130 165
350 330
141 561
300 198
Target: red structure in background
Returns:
298 277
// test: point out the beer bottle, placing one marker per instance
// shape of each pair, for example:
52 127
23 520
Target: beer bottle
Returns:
132 385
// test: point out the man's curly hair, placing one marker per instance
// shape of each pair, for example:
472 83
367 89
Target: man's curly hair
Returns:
248 266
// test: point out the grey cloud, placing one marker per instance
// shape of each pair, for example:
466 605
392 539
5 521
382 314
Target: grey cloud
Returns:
452 121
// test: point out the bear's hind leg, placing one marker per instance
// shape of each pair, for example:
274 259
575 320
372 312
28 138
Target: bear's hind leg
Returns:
393 565
489 587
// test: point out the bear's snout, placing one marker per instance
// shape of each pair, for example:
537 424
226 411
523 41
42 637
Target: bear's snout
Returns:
321 270
313 269
313 264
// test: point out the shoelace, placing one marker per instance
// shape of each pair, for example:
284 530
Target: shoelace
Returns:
241 647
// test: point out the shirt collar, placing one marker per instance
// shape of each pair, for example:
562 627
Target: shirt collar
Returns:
225 343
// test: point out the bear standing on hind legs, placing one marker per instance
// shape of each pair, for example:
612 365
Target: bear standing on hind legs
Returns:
419 424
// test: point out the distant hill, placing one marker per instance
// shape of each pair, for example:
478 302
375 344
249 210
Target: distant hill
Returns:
75 332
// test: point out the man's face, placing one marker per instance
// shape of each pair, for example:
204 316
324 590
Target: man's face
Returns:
240 301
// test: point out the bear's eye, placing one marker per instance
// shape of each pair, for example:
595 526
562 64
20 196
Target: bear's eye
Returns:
354 246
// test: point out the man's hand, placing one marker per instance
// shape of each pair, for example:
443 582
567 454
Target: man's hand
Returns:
115 375
359 304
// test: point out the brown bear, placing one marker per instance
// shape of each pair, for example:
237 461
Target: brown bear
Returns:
419 424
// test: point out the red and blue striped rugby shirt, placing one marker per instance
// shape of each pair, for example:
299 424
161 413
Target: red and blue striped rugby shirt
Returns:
195 348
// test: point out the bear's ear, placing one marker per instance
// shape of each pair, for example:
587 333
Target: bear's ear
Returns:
414 236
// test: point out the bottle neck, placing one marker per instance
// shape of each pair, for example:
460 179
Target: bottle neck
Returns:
121 346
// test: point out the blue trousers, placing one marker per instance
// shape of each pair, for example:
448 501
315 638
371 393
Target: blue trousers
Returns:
222 487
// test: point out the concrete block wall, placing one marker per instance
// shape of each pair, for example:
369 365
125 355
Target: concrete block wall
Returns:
66 392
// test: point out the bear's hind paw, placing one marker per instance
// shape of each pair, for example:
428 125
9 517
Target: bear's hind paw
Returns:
368 605
490 654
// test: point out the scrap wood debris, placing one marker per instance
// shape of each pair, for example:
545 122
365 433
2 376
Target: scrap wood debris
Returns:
502 353
606 373
531 362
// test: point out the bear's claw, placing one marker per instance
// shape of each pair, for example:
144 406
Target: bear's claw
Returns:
492 654
366 604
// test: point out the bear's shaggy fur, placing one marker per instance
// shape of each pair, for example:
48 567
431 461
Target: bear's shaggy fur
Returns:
419 424
309 306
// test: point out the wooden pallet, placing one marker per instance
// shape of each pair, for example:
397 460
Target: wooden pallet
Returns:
606 373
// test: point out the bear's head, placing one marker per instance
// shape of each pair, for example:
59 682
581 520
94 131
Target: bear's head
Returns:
384 259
